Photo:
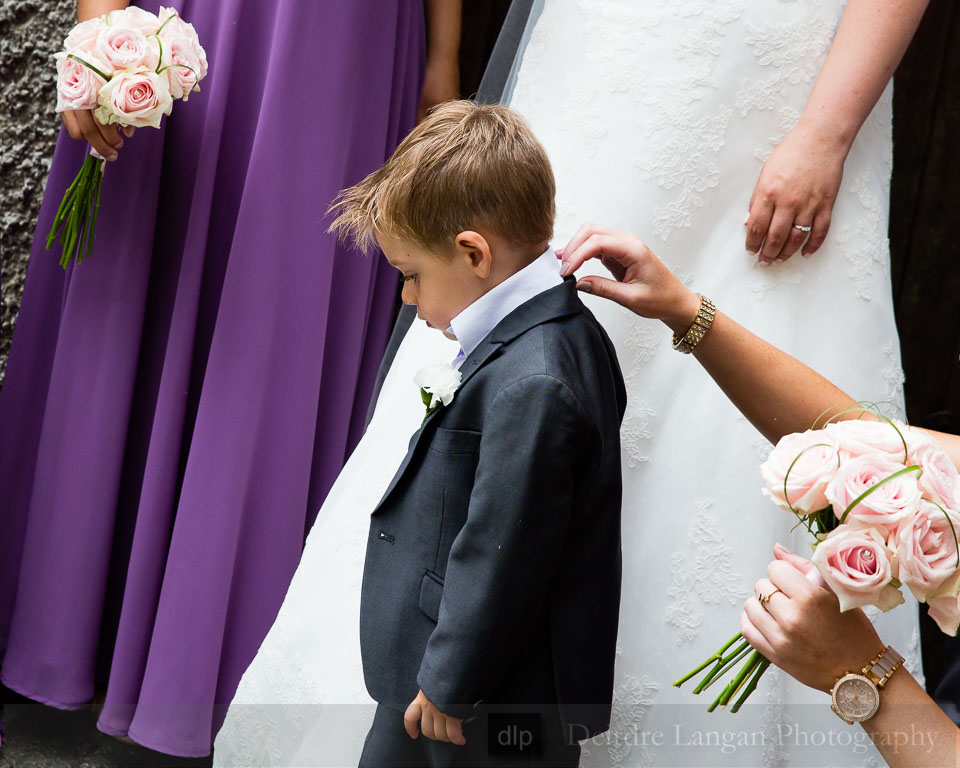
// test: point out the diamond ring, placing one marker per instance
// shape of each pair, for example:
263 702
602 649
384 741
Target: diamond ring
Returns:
802 228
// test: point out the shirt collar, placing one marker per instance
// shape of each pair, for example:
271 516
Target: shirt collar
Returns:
476 322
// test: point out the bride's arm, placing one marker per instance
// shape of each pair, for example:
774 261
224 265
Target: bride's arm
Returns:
776 392
799 183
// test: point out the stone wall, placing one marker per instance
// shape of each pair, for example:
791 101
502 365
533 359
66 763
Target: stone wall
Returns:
31 31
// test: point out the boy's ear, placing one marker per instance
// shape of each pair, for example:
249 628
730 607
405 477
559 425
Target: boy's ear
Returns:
474 247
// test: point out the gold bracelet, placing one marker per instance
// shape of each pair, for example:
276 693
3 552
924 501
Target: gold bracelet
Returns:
698 328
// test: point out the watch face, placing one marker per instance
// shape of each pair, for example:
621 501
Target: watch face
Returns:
856 697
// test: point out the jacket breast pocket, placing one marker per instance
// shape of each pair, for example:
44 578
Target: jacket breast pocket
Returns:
431 590
456 442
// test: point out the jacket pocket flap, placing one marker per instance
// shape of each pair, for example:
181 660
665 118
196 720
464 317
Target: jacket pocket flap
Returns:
455 441
431 590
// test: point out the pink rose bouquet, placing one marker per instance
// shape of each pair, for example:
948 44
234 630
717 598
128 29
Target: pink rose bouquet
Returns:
882 501
129 66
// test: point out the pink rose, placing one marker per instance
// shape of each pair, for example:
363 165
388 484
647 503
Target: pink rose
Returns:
135 97
183 54
83 37
926 549
78 86
811 459
857 437
939 481
858 567
126 48
134 17
885 507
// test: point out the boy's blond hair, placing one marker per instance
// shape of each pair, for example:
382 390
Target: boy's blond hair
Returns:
466 166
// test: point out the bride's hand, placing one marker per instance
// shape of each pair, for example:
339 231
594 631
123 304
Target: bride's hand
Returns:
798 186
643 283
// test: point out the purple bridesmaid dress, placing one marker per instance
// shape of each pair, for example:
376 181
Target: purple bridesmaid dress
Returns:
176 408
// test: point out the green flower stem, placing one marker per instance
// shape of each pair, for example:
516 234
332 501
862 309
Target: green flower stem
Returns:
716 657
96 209
76 220
717 673
761 668
734 685
58 219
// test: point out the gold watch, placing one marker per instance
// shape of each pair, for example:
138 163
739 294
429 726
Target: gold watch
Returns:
855 697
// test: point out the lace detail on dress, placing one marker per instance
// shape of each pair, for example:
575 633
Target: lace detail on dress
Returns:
774 721
765 279
893 377
635 431
707 577
632 697
796 51
864 243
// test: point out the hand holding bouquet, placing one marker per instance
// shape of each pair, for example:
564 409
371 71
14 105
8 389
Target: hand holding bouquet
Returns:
881 500
128 66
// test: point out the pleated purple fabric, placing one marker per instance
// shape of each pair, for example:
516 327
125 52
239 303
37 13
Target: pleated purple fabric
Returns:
176 408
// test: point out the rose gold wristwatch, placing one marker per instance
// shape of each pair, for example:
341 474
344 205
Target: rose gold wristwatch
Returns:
855 697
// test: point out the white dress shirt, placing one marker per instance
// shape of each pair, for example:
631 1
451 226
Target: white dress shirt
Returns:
475 322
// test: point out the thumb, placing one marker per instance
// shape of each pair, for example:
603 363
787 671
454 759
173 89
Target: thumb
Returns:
801 564
606 288
411 717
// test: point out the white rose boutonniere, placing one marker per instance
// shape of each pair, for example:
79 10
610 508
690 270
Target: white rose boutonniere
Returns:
438 384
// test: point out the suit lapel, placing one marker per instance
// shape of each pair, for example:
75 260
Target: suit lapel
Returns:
549 305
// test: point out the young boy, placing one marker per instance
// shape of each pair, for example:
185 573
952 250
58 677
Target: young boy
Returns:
491 586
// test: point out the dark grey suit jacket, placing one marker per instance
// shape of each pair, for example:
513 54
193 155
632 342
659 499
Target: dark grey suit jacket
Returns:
492 571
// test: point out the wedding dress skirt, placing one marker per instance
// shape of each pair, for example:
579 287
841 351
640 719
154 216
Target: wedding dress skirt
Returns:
657 118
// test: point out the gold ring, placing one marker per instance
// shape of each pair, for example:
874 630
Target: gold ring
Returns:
764 598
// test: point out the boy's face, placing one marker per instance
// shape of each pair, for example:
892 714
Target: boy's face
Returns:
440 287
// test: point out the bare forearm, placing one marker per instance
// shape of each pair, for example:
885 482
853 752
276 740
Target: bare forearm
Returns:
776 392
909 729
443 29
89 9
870 41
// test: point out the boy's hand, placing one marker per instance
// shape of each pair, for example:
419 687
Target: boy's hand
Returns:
434 723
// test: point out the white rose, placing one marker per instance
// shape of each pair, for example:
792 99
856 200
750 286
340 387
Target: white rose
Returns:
441 381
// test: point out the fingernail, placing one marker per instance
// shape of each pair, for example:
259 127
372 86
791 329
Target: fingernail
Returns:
761 263
751 254
746 218
564 268
112 156
585 286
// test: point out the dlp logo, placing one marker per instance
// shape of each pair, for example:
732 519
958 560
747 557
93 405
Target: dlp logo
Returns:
510 733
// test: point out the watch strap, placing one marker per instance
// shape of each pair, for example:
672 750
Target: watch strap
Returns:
882 666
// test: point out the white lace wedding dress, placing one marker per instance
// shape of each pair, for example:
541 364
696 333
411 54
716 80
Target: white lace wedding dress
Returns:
657 117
